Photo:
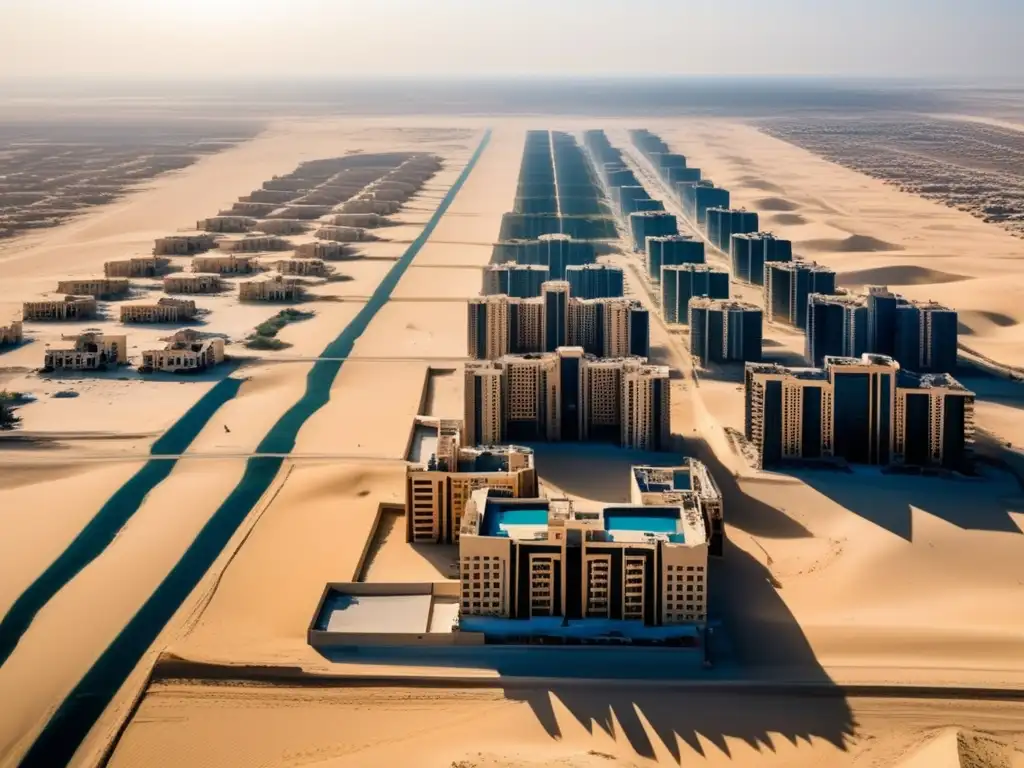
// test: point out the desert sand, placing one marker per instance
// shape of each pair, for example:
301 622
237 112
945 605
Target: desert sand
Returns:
863 579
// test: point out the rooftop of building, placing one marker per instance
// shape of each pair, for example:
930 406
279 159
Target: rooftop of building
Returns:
652 214
805 373
593 267
662 479
798 266
721 209
513 265
845 299
694 268
868 358
928 305
762 235
673 238
912 380
532 519
724 304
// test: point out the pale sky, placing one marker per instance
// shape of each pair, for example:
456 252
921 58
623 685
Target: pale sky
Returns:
360 38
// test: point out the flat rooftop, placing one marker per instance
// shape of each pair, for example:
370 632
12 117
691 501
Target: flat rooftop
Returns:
395 613
663 479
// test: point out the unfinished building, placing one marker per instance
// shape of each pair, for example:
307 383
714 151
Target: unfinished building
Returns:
11 334
188 282
183 245
226 224
226 265
364 220
67 308
254 244
137 266
275 288
302 267
341 234
97 287
186 352
368 204
282 226
326 251
90 352
163 311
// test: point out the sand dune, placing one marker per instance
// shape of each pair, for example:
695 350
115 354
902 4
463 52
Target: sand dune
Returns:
774 204
896 276
788 219
954 748
851 244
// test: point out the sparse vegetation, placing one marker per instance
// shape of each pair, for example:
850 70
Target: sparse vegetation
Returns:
265 335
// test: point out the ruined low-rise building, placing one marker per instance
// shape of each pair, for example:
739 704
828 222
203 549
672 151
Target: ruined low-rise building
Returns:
192 283
254 244
137 266
183 245
186 351
97 287
68 308
271 289
229 264
11 334
91 352
302 267
341 234
226 224
163 311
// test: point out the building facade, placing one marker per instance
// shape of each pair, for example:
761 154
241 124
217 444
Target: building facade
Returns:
192 283
720 224
163 311
724 331
226 264
644 224
568 396
750 250
521 281
788 286
137 266
302 267
183 245
98 288
595 281
533 558
671 250
436 492
275 288
855 409
11 334
186 352
91 352
68 308
682 282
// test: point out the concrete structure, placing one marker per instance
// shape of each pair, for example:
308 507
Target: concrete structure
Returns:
933 421
689 485
98 288
926 337
671 250
91 352
302 267
11 334
229 264
254 244
186 352
341 234
226 224
437 490
68 308
725 331
183 245
533 558
788 286
921 336
749 251
276 288
682 282
850 410
698 197
555 299
190 282
568 395
137 266
594 281
721 224
609 327
163 311
521 281
644 224
836 326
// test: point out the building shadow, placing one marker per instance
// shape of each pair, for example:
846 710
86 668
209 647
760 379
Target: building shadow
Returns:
980 503
765 684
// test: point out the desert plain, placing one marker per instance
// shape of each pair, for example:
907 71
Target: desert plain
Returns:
165 539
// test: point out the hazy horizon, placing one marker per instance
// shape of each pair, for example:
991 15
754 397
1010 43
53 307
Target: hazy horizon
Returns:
345 39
